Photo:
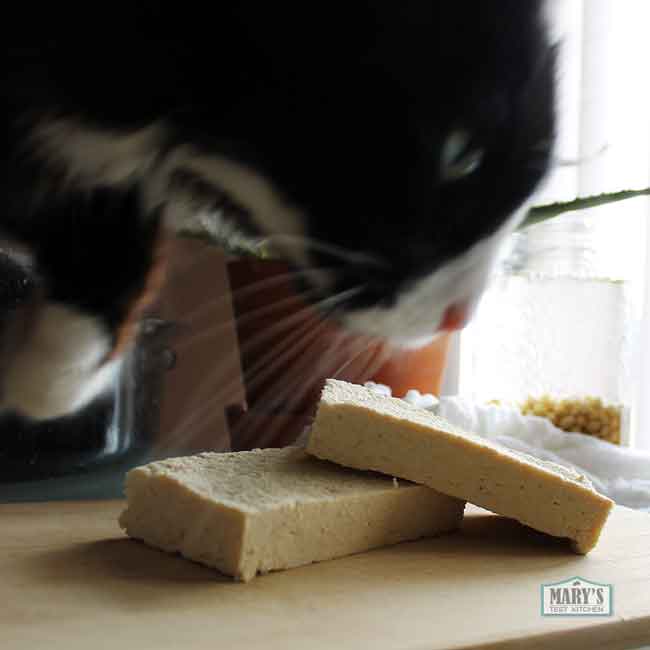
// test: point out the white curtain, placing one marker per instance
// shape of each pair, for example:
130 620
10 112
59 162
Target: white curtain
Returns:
604 110
604 128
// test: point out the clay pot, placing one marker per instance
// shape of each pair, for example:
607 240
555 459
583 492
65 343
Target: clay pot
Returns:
422 369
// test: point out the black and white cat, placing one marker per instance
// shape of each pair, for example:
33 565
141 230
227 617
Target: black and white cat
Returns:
392 145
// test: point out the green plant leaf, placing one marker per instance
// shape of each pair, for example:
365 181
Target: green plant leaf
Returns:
541 213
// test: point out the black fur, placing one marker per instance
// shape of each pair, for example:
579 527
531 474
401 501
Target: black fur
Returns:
344 107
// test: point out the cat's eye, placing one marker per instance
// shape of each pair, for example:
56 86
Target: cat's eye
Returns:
460 157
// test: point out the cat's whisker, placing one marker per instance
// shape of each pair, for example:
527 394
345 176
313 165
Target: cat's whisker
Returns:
308 337
304 382
310 309
211 388
377 360
291 321
272 401
309 312
347 255
267 362
293 349
317 310
251 289
185 432
280 278
296 386
206 401
211 391
301 383
251 315
217 328
284 354
366 344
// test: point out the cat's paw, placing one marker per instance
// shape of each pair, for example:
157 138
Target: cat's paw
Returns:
56 360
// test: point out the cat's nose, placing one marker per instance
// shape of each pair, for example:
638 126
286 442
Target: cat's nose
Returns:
456 316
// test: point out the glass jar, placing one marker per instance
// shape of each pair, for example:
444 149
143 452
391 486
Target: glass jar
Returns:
557 322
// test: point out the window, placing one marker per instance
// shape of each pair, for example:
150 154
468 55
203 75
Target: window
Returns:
603 145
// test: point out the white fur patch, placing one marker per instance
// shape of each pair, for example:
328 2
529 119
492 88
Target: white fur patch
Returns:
256 194
57 370
93 157
414 320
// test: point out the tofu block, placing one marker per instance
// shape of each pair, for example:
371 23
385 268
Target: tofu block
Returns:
257 511
359 428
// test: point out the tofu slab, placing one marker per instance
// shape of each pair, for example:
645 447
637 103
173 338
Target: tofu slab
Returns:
356 427
258 511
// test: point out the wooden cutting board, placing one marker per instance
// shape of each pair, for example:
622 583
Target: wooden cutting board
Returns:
69 579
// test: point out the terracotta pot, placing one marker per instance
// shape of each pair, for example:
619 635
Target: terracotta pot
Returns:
288 350
422 369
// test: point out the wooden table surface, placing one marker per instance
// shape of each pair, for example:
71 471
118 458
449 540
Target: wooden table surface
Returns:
69 579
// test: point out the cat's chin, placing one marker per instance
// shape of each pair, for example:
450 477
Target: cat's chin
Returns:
401 330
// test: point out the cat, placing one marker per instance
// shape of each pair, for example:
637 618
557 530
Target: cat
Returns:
389 147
